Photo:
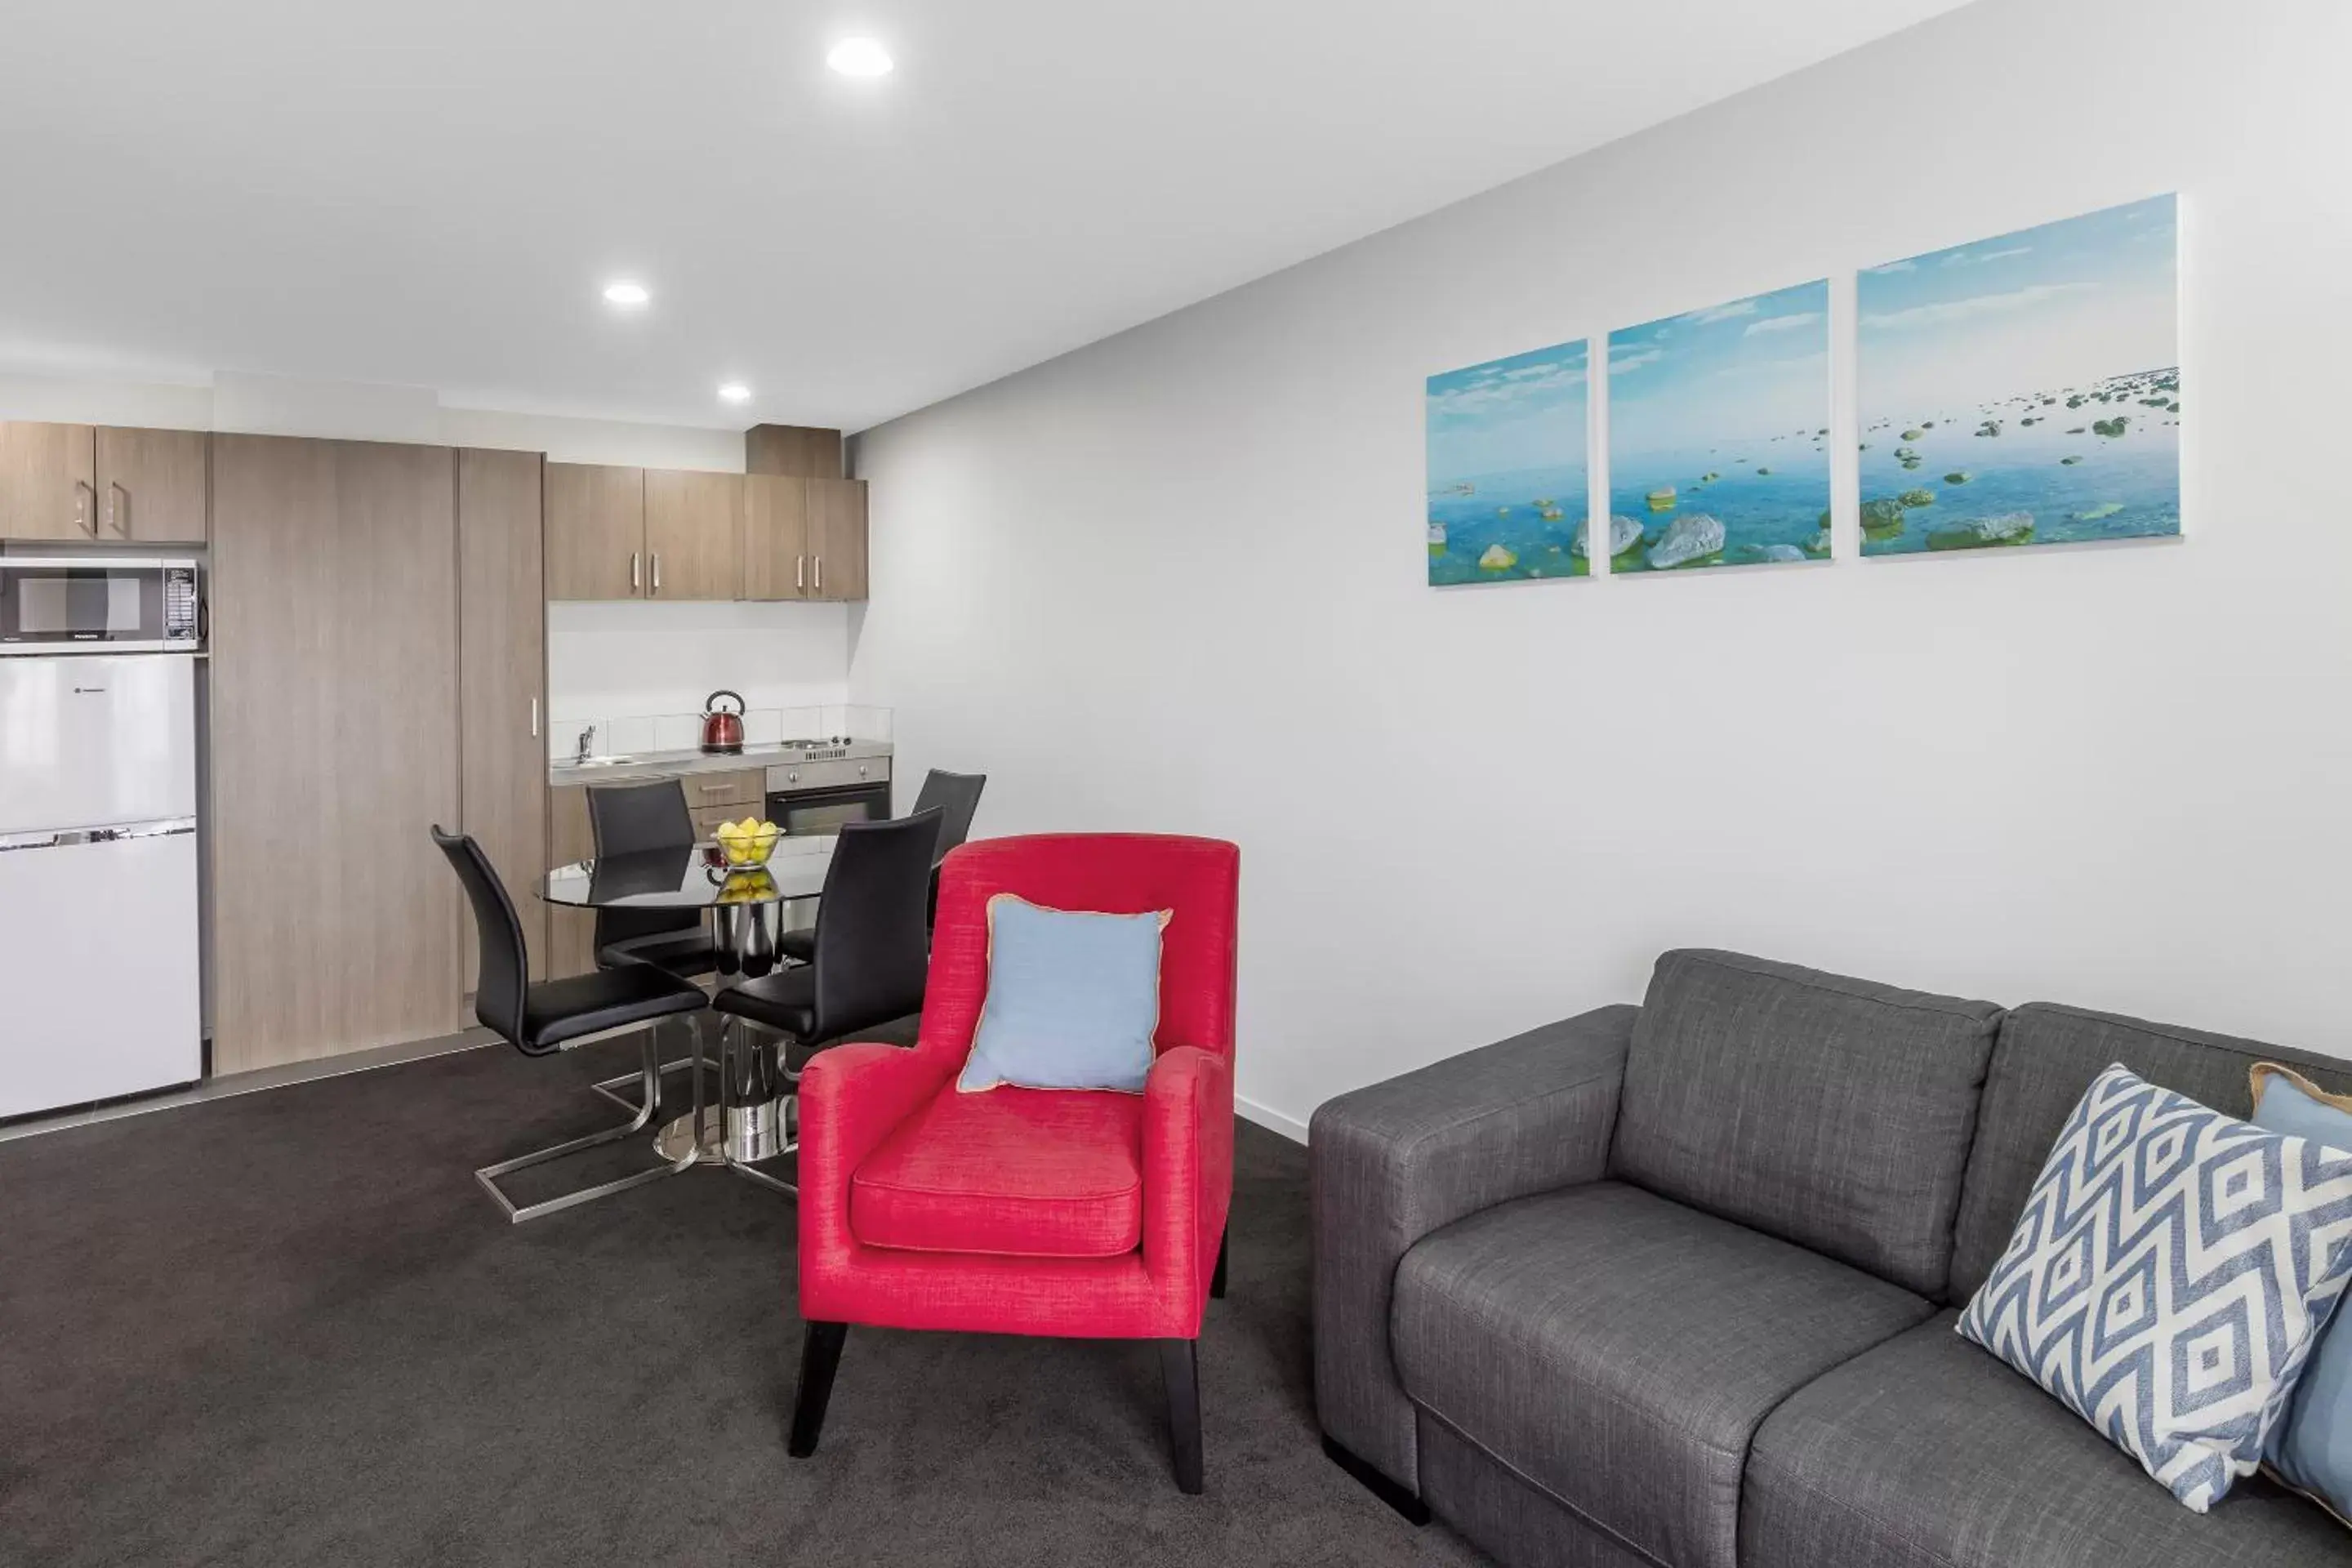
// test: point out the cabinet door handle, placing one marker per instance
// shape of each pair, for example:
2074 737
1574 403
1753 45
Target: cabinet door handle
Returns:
534 717
86 508
657 571
820 573
635 581
119 515
800 573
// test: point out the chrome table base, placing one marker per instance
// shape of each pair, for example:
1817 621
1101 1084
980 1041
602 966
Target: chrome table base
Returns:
754 1119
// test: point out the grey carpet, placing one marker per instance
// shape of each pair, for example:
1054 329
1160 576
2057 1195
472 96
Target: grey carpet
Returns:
287 1327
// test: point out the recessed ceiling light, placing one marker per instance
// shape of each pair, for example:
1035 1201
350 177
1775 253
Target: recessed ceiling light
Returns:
859 56
626 293
735 392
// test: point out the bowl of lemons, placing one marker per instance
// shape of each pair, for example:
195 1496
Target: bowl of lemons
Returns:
749 842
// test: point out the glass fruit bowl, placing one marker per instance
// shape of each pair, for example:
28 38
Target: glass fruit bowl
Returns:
749 842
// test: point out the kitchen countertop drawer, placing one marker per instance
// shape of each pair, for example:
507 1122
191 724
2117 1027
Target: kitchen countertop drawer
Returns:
746 786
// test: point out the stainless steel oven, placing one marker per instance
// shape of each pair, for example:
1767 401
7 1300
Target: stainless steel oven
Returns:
98 604
818 797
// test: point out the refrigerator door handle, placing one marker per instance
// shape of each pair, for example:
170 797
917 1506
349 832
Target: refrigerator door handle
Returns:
58 838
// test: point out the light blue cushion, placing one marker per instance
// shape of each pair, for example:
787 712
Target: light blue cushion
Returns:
1072 998
2312 1448
2169 1278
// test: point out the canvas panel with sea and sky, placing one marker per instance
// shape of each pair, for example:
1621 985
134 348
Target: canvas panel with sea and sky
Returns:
2024 390
1506 468
1718 426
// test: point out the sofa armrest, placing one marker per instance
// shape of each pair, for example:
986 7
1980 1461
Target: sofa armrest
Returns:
1187 1171
851 1099
1392 1162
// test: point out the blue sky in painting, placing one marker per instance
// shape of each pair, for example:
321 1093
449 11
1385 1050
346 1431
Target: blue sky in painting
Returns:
2062 304
1739 372
1524 411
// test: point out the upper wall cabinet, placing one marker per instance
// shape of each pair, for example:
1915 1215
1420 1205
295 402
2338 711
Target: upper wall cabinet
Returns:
595 532
71 481
694 534
154 484
804 538
836 529
48 481
643 534
775 537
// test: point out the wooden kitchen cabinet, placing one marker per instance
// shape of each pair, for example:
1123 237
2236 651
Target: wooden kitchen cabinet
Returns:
49 480
596 518
694 534
836 529
154 485
334 746
775 537
502 684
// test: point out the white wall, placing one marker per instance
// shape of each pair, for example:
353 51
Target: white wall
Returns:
1174 581
632 660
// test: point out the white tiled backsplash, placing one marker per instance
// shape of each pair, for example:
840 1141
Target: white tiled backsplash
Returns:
644 669
634 734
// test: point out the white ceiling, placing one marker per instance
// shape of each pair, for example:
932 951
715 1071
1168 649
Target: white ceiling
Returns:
433 192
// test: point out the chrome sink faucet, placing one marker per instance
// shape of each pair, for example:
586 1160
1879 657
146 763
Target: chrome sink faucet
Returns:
587 739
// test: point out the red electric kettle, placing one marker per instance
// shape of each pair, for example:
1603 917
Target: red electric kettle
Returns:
722 731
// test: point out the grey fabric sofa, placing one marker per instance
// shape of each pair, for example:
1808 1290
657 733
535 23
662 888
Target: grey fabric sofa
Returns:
1675 1285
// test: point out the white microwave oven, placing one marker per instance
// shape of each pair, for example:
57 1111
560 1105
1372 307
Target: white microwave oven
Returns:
99 604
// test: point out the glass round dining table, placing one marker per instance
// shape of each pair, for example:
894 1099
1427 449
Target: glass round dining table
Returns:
749 909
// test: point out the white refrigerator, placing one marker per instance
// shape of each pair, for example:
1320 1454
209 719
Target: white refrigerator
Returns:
100 976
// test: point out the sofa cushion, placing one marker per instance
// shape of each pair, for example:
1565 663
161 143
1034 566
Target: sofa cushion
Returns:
1616 1348
1022 1172
2046 1057
1927 1453
1828 1111
2169 1279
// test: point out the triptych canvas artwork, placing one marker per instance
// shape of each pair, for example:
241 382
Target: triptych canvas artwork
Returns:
2021 390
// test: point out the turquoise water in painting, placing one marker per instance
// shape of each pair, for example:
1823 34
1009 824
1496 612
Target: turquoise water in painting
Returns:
1501 519
2123 480
1769 494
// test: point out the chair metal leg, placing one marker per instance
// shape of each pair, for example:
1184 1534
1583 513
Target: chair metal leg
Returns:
609 1087
820 1358
1180 1369
1217 1280
650 1075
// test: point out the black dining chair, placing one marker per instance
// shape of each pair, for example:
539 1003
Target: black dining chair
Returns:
559 1015
956 797
868 967
637 820
629 819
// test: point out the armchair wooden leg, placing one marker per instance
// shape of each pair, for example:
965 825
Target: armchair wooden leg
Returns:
1180 1368
1217 1280
820 1357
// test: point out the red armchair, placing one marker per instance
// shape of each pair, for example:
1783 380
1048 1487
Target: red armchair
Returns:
1019 1211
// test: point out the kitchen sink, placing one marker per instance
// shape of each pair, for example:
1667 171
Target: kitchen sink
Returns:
596 763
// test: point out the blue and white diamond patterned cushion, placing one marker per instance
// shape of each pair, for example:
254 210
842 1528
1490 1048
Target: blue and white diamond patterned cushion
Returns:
2168 1278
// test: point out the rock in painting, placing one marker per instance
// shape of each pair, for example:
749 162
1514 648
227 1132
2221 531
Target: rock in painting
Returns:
1780 552
1983 533
1623 534
1498 558
1957 477
1661 499
1882 518
1691 538
1915 497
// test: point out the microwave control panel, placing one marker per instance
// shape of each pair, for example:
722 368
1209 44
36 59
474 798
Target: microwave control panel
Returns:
180 605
